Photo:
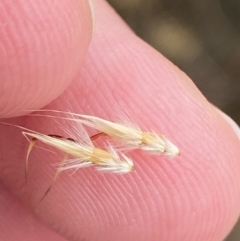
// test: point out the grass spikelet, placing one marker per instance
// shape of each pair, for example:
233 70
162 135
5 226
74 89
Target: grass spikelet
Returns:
85 155
129 136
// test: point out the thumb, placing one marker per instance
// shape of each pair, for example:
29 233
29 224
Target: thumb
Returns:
38 53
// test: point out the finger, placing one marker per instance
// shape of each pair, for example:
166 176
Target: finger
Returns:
193 197
42 46
17 224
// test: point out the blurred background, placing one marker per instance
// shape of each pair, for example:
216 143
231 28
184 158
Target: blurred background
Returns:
202 38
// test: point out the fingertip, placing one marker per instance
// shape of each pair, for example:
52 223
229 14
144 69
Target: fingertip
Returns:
230 121
42 47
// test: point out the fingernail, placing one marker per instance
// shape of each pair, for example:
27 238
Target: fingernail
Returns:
92 9
231 122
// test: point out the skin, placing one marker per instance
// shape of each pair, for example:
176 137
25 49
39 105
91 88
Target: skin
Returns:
193 197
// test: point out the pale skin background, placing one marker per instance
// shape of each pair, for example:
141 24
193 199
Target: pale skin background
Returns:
46 52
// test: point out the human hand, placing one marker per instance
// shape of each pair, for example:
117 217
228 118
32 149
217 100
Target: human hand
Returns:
192 197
